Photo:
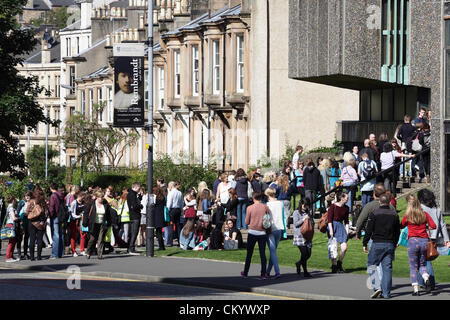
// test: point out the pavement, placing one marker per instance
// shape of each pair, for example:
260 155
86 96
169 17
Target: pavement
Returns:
225 275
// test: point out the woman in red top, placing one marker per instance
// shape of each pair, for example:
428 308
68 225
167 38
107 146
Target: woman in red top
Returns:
338 227
417 220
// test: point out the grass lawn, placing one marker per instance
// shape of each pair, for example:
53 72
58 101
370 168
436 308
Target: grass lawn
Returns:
355 259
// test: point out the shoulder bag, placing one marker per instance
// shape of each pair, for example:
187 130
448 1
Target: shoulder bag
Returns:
323 221
432 252
35 211
307 229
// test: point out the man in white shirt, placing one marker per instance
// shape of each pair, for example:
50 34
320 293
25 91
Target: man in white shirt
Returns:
175 203
296 156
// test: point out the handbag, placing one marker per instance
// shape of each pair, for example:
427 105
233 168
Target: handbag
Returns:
307 230
35 212
323 221
8 230
40 225
230 244
190 212
432 252
83 228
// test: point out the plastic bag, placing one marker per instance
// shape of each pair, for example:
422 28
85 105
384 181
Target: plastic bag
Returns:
332 248
403 239
201 246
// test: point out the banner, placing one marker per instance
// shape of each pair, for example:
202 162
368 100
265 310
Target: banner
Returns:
129 85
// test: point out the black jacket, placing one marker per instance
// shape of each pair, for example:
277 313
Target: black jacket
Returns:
405 132
383 226
242 187
90 213
134 205
311 178
370 153
159 213
231 207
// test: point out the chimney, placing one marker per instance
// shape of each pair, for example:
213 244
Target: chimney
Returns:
45 53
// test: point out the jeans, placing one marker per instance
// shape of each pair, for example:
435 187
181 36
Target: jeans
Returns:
417 252
134 230
58 238
187 242
430 271
350 190
272 241
381 254
419 162
241 212
175 215
126 232
379 269
366 197
251 241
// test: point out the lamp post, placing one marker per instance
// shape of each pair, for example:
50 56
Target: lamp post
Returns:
150 219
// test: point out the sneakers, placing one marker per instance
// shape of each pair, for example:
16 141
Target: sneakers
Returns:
276 276
376 294
75 254
12 260
83 253
262 277
243 275
134 253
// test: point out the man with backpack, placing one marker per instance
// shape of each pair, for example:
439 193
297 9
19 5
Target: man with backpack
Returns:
367 168
56 211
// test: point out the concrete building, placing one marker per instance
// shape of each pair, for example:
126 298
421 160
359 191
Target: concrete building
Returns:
393 52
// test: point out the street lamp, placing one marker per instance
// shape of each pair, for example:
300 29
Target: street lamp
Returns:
150 219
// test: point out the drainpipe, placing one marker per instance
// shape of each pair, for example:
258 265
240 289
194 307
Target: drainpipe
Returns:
268 80
223 90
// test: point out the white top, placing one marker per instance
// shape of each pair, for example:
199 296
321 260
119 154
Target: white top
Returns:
388 158
144 203
11 214
223 192
276 209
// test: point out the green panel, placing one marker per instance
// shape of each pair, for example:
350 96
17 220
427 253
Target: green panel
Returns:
399 103
411 101
365 105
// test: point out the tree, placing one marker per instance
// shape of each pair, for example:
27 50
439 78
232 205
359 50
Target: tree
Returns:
95 140
36 163
18 107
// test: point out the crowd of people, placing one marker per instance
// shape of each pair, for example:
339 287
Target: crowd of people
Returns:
97 220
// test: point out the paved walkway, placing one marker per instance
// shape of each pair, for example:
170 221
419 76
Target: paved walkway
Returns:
226 275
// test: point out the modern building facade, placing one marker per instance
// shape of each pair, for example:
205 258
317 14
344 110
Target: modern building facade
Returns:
392 52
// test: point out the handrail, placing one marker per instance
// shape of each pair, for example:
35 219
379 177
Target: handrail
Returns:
367 179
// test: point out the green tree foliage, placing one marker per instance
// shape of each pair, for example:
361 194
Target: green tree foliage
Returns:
36 163
18 107
57 18
95 140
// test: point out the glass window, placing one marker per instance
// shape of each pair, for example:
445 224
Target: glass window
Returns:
83 102
110 109
216 67
91 102
72 79
388 104
399 103
240 64
100 104
195 65
375 105
161 87
411 101
57 86
177 78
365 105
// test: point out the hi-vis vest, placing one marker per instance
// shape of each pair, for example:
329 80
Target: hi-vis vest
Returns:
124 212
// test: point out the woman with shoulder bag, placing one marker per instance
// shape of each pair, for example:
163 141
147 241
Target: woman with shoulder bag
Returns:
98 219
11 220
439 235
301 216
417 221
37 213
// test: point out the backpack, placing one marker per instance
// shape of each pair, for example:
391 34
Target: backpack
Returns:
368 169
266 221
63 212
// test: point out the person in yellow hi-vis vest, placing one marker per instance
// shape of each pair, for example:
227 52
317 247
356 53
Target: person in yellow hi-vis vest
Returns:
124 214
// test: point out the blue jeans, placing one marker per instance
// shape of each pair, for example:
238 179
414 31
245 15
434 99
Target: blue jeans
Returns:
366 197
381 254
379 269
272 240
251 241
241 212
188 241
430 271
58 238
350 189
417 161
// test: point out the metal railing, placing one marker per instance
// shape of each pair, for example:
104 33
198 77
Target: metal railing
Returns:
367 179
